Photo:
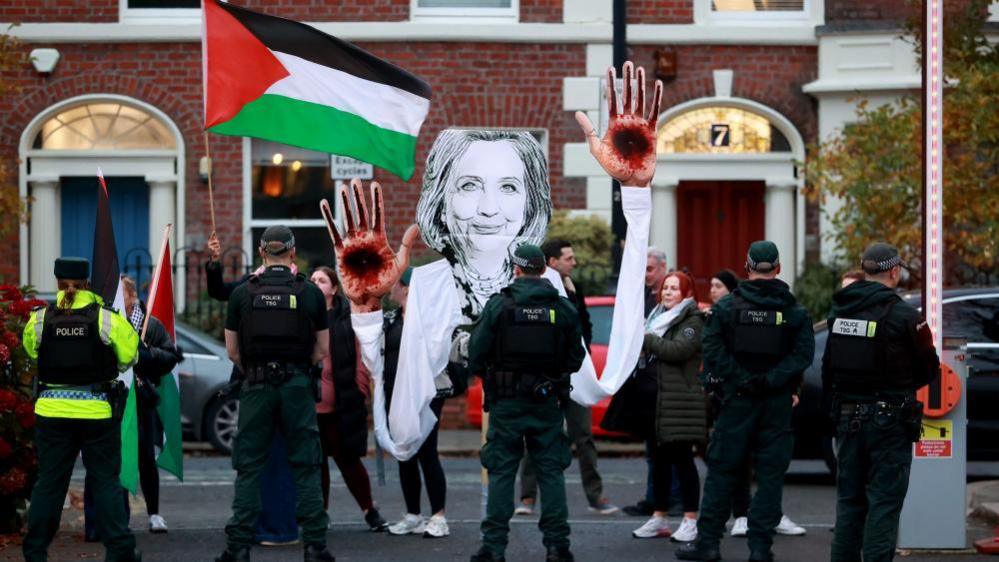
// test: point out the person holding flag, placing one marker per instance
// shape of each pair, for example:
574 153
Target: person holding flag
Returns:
80 345
158 355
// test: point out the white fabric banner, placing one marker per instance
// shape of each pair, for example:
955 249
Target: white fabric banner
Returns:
628 322
433 311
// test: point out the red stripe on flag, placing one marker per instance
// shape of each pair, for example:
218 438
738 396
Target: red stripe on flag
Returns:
238 69
162 300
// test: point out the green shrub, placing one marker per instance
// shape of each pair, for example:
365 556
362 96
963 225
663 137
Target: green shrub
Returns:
591 240
814 289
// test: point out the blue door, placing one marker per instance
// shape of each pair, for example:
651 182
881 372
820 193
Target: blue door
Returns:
129 212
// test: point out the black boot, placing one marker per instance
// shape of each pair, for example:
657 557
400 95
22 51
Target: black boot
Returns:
318 553
761 556
241 555
559 554
375 521
486 555
698 551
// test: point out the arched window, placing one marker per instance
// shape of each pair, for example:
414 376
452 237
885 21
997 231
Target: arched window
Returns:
104 126
720 129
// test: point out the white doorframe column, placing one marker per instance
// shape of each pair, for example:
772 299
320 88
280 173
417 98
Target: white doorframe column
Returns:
44 232
664 230
162 203
780 225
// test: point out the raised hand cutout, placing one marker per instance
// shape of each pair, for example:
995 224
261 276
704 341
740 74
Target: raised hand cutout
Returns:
627 151
367 266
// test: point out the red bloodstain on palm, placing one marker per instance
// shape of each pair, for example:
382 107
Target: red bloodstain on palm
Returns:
365 265
368 267
627 151
634 143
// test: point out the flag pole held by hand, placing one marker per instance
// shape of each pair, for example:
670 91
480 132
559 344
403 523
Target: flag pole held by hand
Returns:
156 280
211 196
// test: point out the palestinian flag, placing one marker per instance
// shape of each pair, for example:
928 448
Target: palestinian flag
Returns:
171 456
284 81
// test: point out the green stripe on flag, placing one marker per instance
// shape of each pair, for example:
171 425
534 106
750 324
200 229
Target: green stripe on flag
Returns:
325 129
171 459
129 475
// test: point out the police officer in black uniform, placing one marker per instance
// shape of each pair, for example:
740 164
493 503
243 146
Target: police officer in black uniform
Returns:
526 342
81 345
276 329
878 353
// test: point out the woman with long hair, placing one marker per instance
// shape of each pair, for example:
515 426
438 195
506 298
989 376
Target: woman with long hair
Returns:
341 412
673 344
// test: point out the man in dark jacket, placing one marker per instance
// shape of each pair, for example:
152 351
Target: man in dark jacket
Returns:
525 344
879 351
758 341
578 419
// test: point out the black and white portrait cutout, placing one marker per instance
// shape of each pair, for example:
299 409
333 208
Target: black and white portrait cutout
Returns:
484 193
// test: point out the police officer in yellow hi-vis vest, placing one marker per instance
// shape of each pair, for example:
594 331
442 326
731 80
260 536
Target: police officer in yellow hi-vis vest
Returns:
81 346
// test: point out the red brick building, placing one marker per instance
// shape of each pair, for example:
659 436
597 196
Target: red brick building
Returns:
748 85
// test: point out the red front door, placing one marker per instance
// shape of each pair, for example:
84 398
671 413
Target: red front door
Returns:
716 223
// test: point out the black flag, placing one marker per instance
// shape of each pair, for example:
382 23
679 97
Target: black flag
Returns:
104 273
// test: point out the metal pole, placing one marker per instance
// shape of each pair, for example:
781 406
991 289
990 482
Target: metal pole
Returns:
620 46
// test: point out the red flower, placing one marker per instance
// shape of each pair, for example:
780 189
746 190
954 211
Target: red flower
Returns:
7 400
10 293
25 414
11 340
5 448
4 353
35 303
15 480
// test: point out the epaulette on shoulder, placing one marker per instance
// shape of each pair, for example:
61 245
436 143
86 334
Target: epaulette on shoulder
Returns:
109 308
39 307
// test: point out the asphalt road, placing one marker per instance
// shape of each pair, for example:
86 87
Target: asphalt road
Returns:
197 510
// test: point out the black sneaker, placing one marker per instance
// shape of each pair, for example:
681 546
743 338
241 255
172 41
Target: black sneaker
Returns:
697 551
486 555
375 521
559 554
640 509
241 555
317 553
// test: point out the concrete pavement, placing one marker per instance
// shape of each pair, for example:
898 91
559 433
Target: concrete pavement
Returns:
197 509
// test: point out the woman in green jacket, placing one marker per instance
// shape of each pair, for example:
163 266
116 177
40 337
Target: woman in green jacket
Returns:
673 343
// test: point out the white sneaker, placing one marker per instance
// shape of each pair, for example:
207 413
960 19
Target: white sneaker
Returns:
788 527
687 531
653 528
741 527
524 508
157 524
436 528
411 524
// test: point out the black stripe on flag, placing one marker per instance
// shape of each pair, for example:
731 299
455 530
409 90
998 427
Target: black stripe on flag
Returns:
306 42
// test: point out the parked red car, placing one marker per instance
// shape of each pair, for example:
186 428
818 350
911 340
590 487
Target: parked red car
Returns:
601 309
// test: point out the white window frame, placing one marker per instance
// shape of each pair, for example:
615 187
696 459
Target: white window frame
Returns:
489 15
811 14
158 16
249 223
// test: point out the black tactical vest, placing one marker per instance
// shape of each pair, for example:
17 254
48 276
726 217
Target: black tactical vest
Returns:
528 338
275 326
71 350
861 355
760 337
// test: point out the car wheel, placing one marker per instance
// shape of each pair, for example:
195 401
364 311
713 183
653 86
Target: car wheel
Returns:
221 419
829 455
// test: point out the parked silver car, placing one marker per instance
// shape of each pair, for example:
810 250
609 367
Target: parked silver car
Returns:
204 414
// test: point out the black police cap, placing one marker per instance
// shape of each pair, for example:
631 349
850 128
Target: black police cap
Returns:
72 268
